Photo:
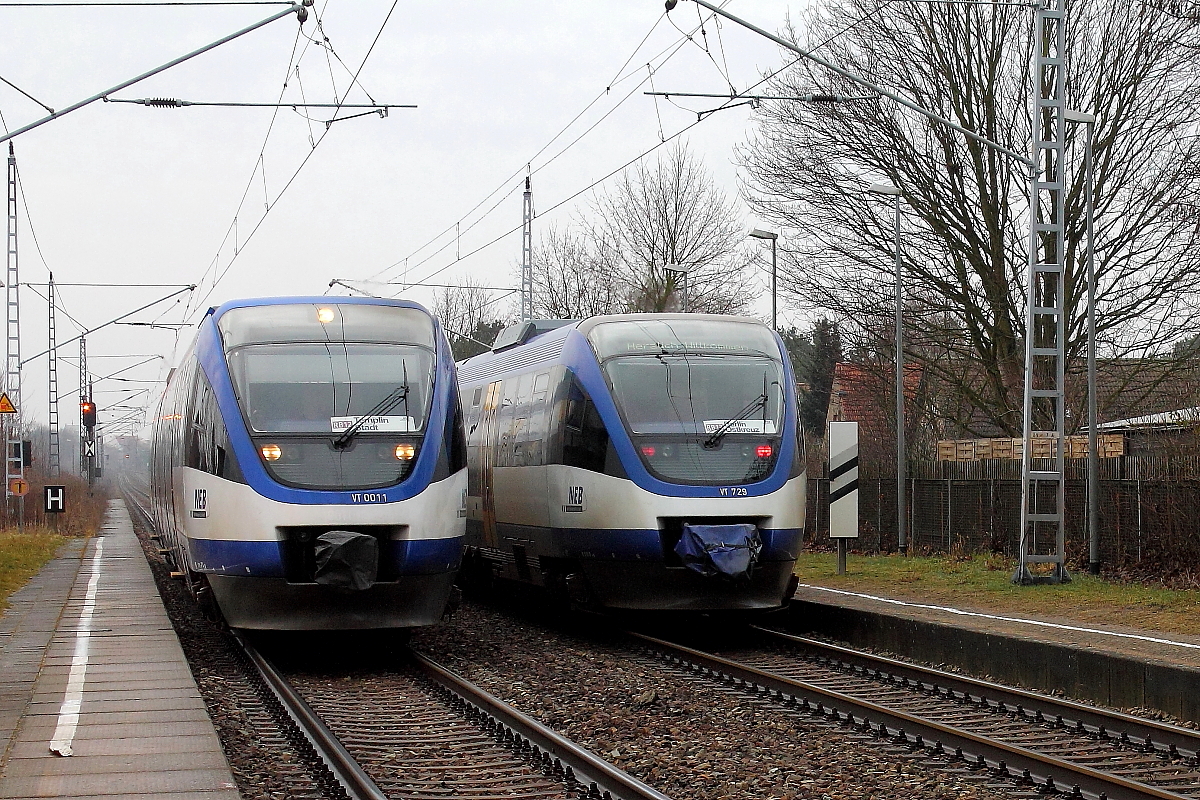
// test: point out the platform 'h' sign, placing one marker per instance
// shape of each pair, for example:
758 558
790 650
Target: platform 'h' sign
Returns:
54 499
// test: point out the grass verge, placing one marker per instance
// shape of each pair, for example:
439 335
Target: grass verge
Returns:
21 556
982 583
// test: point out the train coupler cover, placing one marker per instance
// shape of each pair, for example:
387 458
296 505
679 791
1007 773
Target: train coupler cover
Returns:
728 550
346 559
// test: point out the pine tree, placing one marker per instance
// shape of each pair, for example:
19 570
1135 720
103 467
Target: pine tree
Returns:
826 350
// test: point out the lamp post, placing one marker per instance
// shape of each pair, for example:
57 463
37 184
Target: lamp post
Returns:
901 504
681 269
761 234
1093 473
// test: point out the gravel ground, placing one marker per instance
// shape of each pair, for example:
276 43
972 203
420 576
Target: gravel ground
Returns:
687 738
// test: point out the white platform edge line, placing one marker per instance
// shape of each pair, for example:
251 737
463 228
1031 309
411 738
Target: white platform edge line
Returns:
1039 623
68 713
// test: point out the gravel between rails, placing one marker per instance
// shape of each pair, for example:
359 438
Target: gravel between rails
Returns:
688 738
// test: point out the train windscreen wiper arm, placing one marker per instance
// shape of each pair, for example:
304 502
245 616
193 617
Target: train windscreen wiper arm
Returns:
382 407
727 425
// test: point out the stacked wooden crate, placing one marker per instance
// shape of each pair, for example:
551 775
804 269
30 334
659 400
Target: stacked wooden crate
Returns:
1109 445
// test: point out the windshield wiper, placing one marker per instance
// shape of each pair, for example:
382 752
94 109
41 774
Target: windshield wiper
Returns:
742 416
382 407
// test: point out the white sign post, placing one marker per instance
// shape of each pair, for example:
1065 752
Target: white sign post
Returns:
843 486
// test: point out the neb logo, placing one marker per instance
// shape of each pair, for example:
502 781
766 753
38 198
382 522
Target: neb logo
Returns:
201 499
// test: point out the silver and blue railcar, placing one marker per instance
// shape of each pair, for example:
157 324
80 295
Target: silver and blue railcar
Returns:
308 466
643 461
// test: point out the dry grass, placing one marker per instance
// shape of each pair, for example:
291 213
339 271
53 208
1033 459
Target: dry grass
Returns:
982 583
21 556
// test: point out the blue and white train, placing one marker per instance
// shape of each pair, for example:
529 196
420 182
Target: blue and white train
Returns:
642 461
308 469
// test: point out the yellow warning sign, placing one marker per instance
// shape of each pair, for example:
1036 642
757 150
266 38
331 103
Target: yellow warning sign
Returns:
18 487
6 405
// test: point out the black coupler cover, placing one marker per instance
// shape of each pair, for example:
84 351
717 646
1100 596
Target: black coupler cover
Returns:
729 550
346 559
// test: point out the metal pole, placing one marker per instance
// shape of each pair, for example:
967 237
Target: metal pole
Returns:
1093 477
909 104
774 323
901 504
298 9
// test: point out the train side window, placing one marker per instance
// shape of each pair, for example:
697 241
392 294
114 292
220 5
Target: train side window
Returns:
585 440
540 384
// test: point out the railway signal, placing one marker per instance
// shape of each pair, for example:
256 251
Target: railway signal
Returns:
87 411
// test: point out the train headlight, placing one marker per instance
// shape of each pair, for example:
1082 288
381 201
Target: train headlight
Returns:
271 452
764 451
325 315
405 452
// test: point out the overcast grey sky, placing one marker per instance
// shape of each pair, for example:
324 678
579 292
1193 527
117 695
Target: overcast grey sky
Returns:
124 193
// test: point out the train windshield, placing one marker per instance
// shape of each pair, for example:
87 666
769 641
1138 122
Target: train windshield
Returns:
693 376
698 394
325 388
703 399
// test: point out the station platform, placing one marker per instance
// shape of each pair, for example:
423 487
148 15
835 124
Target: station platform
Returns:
1107 663
96 697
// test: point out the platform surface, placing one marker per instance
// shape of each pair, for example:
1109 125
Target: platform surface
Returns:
1112 637
97 698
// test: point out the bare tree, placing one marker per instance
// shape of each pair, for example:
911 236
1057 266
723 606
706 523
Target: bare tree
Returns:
570 281
965 240
469 316
630 250
665 218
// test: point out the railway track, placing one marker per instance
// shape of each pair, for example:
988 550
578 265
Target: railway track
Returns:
416 730
412 729
1042 743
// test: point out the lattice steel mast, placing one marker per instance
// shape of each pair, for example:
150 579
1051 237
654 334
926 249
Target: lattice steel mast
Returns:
54 457
84 394
14 463
527 253
1043 488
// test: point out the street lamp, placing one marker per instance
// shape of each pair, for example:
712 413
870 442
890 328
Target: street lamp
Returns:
761 234
681 269
901 506
1093 473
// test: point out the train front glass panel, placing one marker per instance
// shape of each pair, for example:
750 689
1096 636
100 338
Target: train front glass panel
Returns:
305 374
703 400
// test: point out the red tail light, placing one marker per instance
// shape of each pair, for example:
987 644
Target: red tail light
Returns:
648 451
763 451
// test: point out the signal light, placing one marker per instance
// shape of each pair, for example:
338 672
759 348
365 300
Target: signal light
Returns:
763 451
648 451
405 452
271 452
87 410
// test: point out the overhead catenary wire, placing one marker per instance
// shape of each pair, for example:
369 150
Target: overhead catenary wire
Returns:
616 80
669 52
307 157
299 10
700 118
170 102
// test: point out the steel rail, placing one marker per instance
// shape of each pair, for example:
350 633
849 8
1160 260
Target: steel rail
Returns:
1050 774
349 773
1161 735
588 769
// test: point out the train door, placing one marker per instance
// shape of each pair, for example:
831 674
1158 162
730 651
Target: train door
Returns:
488 446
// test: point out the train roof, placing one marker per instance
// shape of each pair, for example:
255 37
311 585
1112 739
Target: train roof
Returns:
251 302
536 340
